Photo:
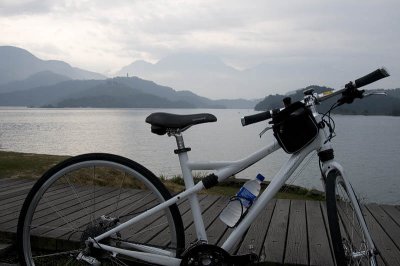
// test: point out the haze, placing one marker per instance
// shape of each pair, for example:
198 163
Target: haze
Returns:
231 49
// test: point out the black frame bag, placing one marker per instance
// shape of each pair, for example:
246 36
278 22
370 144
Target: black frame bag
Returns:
294 127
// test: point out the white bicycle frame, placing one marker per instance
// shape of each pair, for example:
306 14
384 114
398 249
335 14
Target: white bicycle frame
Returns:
224 170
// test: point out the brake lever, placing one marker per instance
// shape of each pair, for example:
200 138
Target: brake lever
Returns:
374 93
265 130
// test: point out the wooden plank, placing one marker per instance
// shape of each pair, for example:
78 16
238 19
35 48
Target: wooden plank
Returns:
4 181
163 240
8 217
13 202
67 203
225 234
283 241
156 232
10 191
8 205
276 236
296 251
16 192
319 246
217 228
155 229
209 215
254 238
66 233
357 239
8 222
389 226
106 205
393 212
389 252
12 183
9 211
69 214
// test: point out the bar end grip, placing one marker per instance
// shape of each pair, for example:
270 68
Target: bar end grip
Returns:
371 77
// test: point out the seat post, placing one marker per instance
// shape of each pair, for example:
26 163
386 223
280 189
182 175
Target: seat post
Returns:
180 143
189 183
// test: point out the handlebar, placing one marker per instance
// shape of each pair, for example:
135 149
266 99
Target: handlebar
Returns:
251 119
371 77
350 91
358 83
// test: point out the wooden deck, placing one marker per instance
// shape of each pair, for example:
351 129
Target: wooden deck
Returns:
287 232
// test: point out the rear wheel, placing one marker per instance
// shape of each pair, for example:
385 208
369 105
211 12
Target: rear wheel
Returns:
86 196
349 240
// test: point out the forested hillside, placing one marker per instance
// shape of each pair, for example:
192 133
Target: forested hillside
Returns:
374 105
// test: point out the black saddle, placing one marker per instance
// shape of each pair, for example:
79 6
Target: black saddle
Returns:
161 122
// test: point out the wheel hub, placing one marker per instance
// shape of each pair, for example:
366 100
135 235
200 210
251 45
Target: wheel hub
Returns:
98 227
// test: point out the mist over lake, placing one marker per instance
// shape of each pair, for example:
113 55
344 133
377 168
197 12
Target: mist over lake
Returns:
367 146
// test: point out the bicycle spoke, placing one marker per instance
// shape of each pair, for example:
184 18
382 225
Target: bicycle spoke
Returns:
77 197
350 242
98 196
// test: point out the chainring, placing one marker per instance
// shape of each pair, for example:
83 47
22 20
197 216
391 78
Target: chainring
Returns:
204 255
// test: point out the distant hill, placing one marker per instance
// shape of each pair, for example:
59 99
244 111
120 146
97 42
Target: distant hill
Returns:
26 80
116 95
375 105
45 95
121 92
44 78
136 92
19 64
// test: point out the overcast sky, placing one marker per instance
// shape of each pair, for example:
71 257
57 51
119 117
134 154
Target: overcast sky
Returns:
104 36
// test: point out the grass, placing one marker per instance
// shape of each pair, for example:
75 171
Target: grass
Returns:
232 185
32 166
26 165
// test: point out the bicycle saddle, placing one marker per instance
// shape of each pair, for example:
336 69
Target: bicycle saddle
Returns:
161 122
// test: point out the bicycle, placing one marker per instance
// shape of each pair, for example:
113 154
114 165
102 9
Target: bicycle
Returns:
125 205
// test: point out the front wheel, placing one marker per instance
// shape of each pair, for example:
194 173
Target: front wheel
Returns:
350 240
87 195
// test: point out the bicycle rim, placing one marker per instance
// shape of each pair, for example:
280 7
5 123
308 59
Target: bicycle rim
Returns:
86 196
349 240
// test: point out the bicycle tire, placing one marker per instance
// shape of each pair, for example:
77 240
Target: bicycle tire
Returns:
347 236
52 229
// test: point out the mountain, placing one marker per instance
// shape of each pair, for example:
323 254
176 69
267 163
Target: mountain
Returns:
121 92
122 89
45 95
44 78
112 94
18 64
180 63
26 80
211 76
194 72
374 105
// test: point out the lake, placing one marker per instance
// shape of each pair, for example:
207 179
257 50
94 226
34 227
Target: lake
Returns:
367 146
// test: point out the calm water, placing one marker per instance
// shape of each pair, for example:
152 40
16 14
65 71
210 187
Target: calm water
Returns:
368 147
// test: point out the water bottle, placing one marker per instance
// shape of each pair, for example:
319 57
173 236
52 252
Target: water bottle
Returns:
243 200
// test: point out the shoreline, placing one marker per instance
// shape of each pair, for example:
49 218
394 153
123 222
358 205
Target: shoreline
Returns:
33 166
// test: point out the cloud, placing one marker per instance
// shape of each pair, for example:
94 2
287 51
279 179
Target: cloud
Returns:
103 36
16 8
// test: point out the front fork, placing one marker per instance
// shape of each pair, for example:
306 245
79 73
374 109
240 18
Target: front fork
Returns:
326 157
